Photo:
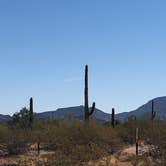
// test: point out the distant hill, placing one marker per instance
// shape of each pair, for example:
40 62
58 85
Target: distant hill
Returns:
5 118
73 112
144 112
78 112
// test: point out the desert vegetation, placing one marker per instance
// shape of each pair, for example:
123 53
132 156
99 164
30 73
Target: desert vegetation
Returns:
75 142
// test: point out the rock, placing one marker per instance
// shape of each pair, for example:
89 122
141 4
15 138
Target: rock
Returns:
3 153
113 160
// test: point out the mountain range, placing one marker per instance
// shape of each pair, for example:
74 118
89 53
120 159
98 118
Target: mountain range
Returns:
143 111
73 112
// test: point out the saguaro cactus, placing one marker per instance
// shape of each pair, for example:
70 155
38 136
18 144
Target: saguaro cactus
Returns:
113 118
86 104
31 110
136 141
153 114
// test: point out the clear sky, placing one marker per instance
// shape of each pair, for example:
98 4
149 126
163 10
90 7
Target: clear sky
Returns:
44 45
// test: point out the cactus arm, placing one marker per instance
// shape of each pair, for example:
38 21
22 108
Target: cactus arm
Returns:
92 109
154 115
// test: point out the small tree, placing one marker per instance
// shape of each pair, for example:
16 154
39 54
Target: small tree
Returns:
24 118
21 118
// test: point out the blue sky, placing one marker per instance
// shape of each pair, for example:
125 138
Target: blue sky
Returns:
44 45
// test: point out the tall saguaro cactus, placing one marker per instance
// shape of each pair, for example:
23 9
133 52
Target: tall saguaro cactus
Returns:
86 102
31 110
153 113
113 118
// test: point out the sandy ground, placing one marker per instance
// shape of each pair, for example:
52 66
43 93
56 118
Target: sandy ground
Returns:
30 157
122 158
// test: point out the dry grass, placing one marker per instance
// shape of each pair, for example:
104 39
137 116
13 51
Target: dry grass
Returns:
76 143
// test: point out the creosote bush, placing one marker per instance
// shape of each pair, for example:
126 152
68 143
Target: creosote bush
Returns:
79 142
75 141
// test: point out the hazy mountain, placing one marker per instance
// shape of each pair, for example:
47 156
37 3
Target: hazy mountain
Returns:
78 112
66 113
5 118
73 112
145 110
142 112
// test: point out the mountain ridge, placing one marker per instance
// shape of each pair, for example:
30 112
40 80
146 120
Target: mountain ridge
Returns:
74 112
77 112
144 111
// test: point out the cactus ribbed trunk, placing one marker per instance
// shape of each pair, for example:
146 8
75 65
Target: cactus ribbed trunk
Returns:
87 114
113 118
31 110
153 114
86 106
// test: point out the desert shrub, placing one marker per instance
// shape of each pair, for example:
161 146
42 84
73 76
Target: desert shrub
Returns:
21 118
3 136
73 142
17 140
3 132
12 139
141 161
154 133
126 132
76 141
